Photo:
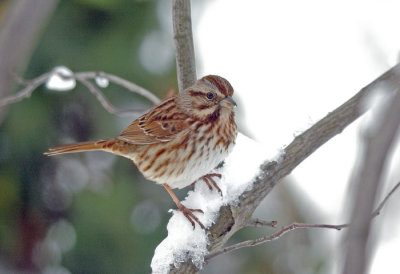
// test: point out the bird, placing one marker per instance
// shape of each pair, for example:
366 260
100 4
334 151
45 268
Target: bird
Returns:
179 141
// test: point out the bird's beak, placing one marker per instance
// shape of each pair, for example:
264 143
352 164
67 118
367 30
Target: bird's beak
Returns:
228 102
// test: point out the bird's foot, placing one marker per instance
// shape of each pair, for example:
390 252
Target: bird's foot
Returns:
209 180
188 212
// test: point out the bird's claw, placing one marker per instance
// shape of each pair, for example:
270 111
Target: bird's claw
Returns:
188 212
209 180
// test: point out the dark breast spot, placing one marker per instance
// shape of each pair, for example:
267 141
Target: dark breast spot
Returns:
199 125
160 174
208 140
214 116
160 152
162 167
201 151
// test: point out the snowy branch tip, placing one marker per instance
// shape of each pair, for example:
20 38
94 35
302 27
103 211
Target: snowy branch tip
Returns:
61 79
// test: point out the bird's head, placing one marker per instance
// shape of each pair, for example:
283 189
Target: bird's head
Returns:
209 98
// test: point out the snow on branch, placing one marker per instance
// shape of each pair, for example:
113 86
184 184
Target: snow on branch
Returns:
232 217
183 241
63 79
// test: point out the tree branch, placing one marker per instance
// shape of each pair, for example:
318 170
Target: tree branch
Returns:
132 87
18 36
270 238
184 49
26 92
105 103
83 77
378 141
233 218
261 223
292 227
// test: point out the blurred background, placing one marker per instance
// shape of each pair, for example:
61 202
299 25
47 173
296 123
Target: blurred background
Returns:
290 63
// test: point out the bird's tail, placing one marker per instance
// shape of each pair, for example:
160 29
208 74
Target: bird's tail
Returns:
81 147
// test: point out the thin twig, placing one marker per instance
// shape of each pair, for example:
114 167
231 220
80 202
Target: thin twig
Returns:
121 82
292 227
379 208
270 238
261 223
27 91
104 102
184 49
83 77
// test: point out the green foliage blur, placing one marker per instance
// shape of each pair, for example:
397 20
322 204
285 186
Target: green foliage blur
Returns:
83 35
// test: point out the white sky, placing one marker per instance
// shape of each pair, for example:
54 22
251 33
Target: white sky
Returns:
291 62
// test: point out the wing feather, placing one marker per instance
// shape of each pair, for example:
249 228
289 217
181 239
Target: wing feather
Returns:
160 124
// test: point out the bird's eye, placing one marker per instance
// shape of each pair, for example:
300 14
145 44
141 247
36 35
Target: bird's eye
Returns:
210 95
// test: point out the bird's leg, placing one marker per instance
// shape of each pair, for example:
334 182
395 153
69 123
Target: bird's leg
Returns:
188 212
208 179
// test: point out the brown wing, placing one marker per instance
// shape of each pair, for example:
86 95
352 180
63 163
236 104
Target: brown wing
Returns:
160 124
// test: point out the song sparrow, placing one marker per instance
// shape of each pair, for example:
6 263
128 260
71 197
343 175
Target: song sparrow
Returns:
178 141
